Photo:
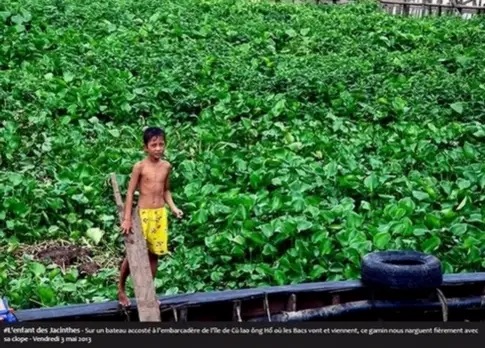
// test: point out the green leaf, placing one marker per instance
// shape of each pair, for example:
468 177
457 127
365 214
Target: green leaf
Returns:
319 237
381 239
462 204
95 234
291 33
447 267
407 204
304 31
420 195
69 287
201 216
15 178
463 184
37 269
420 232
72 275
256 237
469 150
4 15
371 182
459 229
47 295
431 244
68 76
303 225
326 247
458 107
267 230
155 17
255 179
114 132
239 240
269 250
279 277
317 272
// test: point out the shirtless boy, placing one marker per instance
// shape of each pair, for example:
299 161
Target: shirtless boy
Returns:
151 177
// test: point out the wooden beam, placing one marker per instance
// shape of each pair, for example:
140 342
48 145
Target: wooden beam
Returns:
393 2
139 264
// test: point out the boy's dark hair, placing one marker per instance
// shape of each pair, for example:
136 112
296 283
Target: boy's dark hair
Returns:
152 132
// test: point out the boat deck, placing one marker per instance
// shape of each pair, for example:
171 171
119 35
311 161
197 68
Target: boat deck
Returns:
462 292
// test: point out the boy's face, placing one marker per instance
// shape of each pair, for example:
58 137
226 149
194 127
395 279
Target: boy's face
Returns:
155 147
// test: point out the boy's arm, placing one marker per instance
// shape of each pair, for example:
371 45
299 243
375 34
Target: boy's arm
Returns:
167 195
135 176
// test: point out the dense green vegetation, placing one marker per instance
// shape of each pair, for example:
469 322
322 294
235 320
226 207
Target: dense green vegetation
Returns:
302 138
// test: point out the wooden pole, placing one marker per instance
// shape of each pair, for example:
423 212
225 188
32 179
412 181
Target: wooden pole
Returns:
139 264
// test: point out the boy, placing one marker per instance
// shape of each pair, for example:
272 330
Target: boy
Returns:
151 177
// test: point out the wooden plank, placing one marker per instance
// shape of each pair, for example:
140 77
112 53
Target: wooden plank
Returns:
139 264
393 2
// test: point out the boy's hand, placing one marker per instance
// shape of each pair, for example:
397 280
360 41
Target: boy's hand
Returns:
177 212
126 226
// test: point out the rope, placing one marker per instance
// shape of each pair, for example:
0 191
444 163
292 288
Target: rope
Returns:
127 315
237 311
266 307
444 304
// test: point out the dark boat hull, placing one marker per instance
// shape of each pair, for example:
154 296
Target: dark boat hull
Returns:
461 297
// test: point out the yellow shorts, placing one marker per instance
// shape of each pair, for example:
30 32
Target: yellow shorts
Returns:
154 223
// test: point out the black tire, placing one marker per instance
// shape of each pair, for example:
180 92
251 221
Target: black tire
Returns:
401 270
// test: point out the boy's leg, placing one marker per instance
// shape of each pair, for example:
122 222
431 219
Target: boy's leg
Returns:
124 272
153 265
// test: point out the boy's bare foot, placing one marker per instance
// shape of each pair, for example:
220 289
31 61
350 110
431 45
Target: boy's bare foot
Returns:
123 299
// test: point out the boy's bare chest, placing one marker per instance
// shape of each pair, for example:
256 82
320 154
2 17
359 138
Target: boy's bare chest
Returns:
154 176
